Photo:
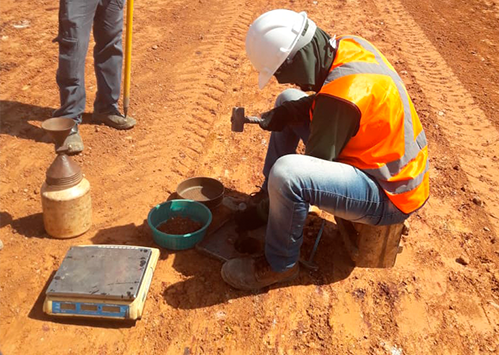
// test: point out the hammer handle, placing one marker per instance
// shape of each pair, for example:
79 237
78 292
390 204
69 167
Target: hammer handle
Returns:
252 119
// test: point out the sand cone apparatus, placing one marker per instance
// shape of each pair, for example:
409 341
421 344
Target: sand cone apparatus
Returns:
66 202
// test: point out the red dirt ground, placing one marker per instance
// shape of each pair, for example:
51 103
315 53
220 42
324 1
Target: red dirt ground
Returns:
188 70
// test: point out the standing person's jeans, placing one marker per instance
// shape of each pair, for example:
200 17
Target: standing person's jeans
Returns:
295 181
75 23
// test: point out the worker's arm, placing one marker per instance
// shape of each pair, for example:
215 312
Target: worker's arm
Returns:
333 124
289 113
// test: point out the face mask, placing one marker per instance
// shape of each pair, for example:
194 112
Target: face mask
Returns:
309 67
294 71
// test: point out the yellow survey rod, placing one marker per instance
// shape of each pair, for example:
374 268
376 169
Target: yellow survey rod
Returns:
128 55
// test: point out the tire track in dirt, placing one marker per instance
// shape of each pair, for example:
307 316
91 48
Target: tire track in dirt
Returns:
474 143
362 314
471 135
174 102
192 104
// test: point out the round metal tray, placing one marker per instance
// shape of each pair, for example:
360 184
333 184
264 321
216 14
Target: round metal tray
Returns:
206 190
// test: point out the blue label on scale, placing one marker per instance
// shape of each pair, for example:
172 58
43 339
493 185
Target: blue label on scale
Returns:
90 309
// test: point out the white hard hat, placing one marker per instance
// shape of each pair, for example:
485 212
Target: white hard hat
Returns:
275 36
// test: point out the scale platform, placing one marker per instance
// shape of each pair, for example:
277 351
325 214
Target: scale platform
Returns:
102 281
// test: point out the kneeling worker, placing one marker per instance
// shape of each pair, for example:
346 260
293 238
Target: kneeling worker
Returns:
366 157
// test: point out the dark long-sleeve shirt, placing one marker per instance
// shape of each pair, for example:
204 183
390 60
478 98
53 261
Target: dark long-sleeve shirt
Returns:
333 124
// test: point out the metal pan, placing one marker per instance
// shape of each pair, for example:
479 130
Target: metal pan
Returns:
206 190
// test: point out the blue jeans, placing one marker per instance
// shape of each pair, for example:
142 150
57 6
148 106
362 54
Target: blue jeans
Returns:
76 18
295 181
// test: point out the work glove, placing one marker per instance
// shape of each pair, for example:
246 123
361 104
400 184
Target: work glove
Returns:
275 119
253 217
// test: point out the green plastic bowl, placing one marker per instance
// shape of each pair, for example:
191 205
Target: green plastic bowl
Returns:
196 211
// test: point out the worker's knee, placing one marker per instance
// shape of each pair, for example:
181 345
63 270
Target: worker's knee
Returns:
284 177
71 61
289 95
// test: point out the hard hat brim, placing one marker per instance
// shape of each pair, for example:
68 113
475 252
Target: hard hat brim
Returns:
264 78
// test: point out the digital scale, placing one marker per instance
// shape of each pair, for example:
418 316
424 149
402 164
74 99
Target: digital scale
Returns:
102 281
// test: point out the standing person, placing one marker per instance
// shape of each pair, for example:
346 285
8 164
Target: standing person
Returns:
75 23
366 156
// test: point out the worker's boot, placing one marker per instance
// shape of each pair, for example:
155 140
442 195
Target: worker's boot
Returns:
114 119
251 274
73 144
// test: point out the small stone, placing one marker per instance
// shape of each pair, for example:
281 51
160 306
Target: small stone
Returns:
441 113
487 229
35 191
21 24
97 129
1 244
477 201
463 260
154 47
220 315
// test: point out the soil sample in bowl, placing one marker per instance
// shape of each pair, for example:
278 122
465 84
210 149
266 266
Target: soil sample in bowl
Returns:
179 225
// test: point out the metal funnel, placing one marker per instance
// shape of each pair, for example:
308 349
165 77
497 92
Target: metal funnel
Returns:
63 171
59 128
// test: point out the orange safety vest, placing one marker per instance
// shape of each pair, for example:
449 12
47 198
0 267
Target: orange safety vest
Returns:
390 144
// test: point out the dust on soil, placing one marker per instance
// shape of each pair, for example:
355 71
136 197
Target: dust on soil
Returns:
188 71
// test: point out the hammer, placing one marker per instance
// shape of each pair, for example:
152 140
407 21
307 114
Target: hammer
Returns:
238 119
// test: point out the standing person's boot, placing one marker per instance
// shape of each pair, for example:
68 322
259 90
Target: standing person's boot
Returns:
252 274
114 119
73 144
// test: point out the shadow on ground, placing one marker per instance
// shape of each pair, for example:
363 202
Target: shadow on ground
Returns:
128 234
16 118
205 286
29 226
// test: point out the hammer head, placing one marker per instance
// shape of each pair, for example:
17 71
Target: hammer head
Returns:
237 119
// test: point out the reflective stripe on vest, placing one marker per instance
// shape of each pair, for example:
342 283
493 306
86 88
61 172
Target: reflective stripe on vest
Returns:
405 180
